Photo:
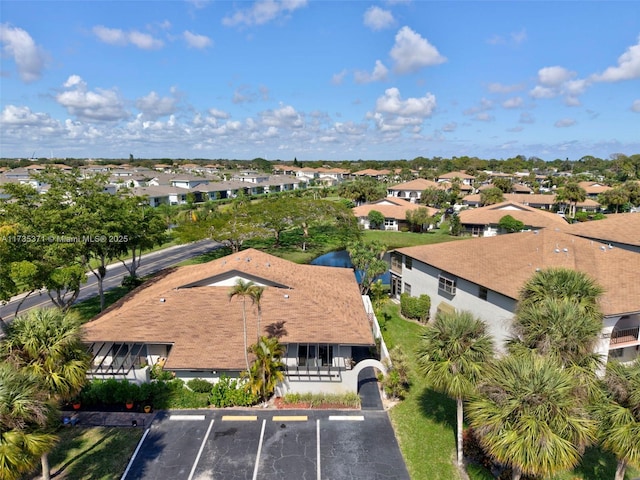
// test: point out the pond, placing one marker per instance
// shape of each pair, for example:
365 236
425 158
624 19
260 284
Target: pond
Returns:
340 258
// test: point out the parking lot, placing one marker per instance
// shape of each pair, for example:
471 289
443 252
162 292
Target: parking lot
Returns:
274 444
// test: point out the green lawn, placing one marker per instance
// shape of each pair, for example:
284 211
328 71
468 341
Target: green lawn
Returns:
425 421
408 239
97 453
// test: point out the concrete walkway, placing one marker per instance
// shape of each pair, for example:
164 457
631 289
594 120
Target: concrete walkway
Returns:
108 419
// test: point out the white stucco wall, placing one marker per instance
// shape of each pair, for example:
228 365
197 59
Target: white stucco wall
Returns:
496 311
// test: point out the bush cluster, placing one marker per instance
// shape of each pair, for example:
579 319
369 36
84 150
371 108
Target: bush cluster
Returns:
416 308
396 383
199 385
228 392
351 399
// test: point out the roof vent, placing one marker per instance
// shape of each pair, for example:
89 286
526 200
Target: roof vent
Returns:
162 300
557 250
248 259
610 246
286 296
268 264
603 248
565 250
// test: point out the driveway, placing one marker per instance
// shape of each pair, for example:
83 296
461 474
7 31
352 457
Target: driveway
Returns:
252 445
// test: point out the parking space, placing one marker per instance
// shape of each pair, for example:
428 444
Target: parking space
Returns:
269 445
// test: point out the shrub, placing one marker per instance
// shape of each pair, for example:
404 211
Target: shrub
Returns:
351 399
200 385
229 393
396 383
416 308
130 282
158 373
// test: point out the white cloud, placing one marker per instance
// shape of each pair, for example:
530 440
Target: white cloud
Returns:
245 94
391 103
450 127
635 106
214 112
338 78
378 19
115 36
543 92
412 52
286 116
30 58
379 73
565 122
98 105
515 38
13 116
514 102
485 104
153 106
197 41
263 11
526 117
501 88
554 76
628 67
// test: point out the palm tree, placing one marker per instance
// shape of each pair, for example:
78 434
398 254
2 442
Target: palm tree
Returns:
46 343
558 315
256 296
573 194
528 417
24 415
452 354
267 369
619 414
243 290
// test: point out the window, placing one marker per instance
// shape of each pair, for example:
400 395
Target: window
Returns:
447 285
617 353
407 289
408 263
483 293
396 262
325 353
389 222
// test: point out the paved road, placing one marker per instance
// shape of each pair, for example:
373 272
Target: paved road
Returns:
151 263
252 445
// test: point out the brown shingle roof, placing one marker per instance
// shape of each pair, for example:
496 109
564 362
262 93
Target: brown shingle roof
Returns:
619 228
391 207
322 305
504 263
419 184
531 217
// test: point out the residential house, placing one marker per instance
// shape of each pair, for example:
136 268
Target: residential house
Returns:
413 189
593 189
394 210
485 221
185 320
535 200
485 275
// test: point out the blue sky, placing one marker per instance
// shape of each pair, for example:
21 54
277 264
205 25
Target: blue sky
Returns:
316 80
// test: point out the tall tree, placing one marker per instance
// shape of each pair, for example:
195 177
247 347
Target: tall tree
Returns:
256 292
558 315
46 343
614 199
267 369
571 194
528 417
243 290
618 412
25 412
452 355
491 196
367 261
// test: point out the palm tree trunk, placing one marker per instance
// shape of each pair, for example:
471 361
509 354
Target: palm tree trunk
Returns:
621 469
460 421
244 328
516 473
44 459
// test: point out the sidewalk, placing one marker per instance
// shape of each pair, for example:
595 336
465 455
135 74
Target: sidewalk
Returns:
108 419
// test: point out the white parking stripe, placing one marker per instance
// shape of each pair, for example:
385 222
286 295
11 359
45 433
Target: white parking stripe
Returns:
204 440
135 453
255 469
318 448
351 418
187 417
